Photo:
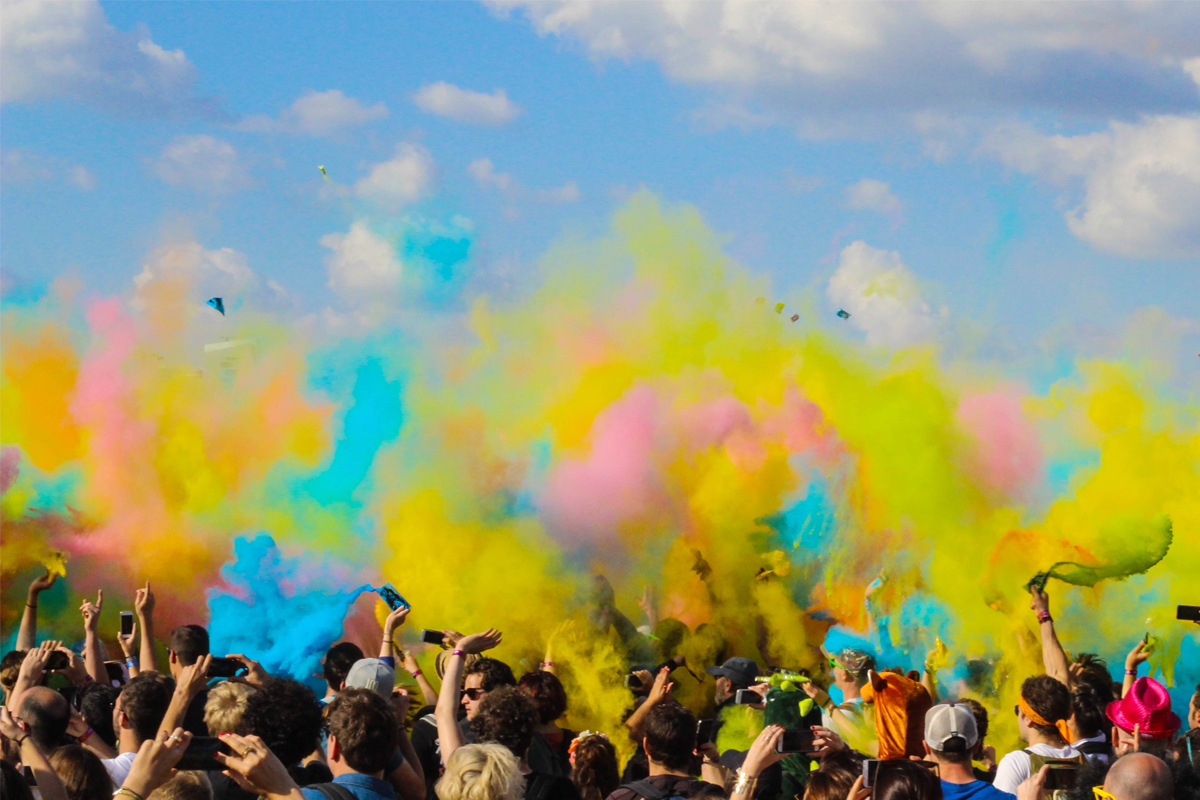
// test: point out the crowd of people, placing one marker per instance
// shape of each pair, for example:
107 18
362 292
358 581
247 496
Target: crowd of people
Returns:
200 726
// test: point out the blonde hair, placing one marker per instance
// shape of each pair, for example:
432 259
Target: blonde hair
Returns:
481 772
186 785
224 708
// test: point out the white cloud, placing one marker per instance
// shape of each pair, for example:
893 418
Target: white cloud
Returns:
317 114
201 162
872 195
405 178
69 51
1140 182
807 62
463 105
485 175
82 177
882 297
559 195
362 266
19 165
221 273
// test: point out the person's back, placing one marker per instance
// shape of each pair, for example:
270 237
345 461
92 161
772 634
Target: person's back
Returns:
669 738
951 735
1044 706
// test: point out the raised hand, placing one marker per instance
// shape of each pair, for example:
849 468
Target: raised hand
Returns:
400 705
395 620
762 753
857 792
827 741
480 642
662 688
41 584
451 638
1031 787
91 612
255 768
126 641
255 674
75 671
1039 601
143 601
194 678
155 761
1140 652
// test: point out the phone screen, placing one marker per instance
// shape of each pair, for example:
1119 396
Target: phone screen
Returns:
225 668
432 637
746 697
796 742
1060 776
393 598
706 731
200 752
1191 613
633 682
126 623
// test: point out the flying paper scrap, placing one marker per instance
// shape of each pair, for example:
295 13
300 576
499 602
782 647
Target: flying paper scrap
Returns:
795 317
843 314
323 173
218 304
778 307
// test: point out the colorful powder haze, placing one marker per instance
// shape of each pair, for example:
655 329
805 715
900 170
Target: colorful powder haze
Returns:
643 403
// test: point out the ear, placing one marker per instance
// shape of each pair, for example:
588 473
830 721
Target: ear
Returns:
123 721
926 746
342 686
174 659
913 675
878 683
333 749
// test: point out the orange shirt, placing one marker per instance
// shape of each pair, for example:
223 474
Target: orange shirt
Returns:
900 706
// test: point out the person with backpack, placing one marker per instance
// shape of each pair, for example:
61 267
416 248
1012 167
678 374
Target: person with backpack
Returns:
1042 712
669 739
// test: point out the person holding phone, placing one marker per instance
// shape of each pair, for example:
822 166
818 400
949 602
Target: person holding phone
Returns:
189 643
950 739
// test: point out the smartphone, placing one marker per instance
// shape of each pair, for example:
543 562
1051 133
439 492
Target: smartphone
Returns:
27 772
1190 613
225 668
747 697
58 660
796 742
393 598
871 768
633 682
126 623
200 753
432 637
706 731
1060 776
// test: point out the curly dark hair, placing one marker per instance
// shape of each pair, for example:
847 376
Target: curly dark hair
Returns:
96 703
364 725
287 716
547 693
595 772
338 661
670 732
506 716
495 673
1049 698
1089 708
979 713
144 702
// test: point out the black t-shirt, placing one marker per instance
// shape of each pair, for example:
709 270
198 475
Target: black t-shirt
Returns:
226 788
428 749
543 786
193 720
671 786
554 759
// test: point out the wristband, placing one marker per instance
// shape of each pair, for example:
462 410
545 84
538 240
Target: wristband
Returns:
745 783
31 605
416 672
131 661
87 735
459 653
1131 672
1044 616
87 679
21 741
129 792
545 664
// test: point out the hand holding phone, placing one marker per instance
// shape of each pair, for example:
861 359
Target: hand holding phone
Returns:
432 637
706 731
224 668
201 754
800 741
393 598
1060 776
126 623
1188 613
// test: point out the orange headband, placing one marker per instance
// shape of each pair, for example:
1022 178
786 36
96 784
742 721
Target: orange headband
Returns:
1037 719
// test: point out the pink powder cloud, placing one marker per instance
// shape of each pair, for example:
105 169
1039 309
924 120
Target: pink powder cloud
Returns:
1008 456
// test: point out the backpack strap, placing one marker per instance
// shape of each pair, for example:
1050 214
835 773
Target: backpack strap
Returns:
646 790
333 791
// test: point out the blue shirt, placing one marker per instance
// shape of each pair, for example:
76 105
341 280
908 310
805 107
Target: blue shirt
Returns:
975 790
363 787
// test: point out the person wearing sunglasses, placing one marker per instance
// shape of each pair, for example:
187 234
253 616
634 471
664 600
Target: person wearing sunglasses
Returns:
849 668
1137 776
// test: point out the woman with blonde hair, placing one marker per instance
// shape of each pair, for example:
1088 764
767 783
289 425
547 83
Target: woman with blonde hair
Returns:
481 772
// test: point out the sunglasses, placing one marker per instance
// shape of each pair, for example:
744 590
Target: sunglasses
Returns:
1099 793
474 694
833 663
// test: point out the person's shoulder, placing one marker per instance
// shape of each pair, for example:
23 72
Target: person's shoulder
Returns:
621 793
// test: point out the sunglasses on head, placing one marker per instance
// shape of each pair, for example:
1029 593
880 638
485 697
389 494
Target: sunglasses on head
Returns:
474 694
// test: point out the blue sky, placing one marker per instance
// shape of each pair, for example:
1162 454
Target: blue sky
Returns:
1036 169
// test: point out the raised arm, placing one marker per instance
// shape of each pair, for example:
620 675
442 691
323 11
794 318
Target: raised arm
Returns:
32 669
27 634
1136 656
394 620
143 604
1054 658
428 696
192 681
660 692
408 779
127 643
446 713
91 644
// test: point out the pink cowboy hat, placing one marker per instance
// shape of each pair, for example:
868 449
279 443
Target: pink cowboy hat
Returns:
1147 705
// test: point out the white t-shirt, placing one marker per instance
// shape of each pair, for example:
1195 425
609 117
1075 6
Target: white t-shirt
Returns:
118 768
1014 767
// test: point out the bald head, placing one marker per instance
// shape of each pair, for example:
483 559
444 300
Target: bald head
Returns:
1140 776
47 714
